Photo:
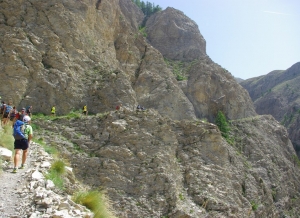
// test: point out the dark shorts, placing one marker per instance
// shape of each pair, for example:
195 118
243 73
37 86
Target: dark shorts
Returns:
21 144
84 112
5 115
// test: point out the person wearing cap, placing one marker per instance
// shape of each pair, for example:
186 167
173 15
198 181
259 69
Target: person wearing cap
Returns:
22 144
29 110
22 114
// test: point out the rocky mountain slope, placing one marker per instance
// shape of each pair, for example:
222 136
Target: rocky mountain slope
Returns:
162 162
278 94
152 166
73 53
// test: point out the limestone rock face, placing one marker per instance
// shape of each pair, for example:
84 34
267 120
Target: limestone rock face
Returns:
278 94
132 12
70 54
152 166
175 35
211 88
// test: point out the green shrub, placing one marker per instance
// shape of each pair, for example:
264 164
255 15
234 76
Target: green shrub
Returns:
56 172
56 179
72 114
221 122
96 201
142 30
254 205
51 150
59 167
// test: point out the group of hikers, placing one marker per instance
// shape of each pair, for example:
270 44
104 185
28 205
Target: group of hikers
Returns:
22 130
10 113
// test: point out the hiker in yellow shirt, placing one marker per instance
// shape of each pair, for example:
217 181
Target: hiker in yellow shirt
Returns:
84 110
53 111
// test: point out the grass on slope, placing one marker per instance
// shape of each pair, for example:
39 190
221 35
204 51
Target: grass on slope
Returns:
6 138
96 201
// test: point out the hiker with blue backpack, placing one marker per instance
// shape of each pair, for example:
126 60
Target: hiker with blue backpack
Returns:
22 133
6 111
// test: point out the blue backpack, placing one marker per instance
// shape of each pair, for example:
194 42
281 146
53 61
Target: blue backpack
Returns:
19 130
8 108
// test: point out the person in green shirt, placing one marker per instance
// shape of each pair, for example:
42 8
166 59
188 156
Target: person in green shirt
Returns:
53 111
84 110
22 143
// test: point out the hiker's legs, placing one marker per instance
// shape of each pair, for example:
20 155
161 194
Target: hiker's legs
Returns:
24 156
17 157
20 145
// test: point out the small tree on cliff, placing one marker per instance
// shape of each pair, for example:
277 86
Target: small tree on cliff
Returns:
221 122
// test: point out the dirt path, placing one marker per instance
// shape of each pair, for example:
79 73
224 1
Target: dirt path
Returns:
11 196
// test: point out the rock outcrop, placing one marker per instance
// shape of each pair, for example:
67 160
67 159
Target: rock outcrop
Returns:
278 94
175 35
211 88
154 167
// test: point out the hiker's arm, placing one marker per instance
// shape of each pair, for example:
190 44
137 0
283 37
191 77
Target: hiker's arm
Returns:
29 138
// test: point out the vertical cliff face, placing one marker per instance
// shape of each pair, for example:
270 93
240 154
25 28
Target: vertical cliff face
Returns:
73 53
50 48
209 87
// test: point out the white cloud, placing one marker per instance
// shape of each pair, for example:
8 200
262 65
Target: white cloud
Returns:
279 13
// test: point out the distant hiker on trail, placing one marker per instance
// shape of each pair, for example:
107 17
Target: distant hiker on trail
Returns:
84 110
12 114
1 111
6 111
29 110
140 108
119 107
22 133
53 111
2 107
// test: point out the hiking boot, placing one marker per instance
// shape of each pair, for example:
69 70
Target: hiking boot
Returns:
22 166
15 170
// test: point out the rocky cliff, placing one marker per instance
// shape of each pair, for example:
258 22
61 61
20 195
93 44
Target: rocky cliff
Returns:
208 86
278 94
153 166
73 53
162 162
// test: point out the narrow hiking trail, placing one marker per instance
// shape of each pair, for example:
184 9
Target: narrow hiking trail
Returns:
13 200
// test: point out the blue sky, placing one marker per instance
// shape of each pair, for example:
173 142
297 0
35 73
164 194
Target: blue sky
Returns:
249 38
